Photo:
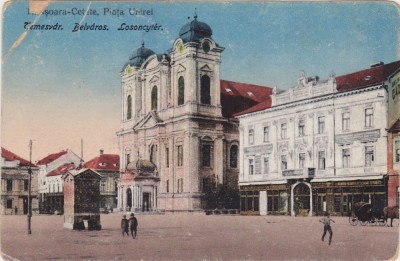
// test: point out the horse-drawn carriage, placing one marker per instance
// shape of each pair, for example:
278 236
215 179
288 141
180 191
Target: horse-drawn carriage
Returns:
364 214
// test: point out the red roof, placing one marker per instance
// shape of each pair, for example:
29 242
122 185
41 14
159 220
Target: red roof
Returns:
103 162
364 78
9 156
237 97
51 158
61 170
367 77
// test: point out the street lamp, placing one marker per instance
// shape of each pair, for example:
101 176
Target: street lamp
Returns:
29 188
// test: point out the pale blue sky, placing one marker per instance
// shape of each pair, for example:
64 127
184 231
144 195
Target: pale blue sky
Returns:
60 86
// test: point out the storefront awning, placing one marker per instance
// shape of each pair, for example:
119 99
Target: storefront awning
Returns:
372 177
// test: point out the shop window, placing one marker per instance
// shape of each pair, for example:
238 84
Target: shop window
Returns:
205 97
302 160
129 108
346 158
266 165
321 160
167 157
9 203
154 99
181 91
180 155
346 121
369 156
284 162
206 155
397 151
369 115
283 131
266 134
301 128
321 125
251 136
251 166
233 154
9 185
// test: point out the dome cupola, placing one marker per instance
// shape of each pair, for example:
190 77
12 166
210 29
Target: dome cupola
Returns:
140 55
194 31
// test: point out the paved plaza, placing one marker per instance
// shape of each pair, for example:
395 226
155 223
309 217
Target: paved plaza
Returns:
197 237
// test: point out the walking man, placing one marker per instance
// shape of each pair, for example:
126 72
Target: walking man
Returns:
133 223
124 226
327 226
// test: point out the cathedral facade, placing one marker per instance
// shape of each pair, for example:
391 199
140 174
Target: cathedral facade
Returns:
177 132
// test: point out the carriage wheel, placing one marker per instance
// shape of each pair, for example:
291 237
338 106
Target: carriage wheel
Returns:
374 221
382 222
353 221
363 223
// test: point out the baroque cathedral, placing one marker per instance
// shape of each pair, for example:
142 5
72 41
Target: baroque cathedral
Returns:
178 134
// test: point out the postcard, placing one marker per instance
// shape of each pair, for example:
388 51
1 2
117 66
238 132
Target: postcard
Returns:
200 130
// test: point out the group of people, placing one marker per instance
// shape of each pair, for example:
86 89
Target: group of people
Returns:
131 224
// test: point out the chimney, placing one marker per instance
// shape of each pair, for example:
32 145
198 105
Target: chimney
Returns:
101 152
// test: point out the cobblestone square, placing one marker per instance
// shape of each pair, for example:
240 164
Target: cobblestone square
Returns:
198 237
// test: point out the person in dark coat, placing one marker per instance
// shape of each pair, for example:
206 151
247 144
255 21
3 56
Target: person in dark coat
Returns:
124 226
133 223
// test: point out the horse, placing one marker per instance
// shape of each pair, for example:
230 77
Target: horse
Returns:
391 212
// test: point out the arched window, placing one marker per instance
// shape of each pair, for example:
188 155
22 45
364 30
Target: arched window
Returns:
153 154
233 156
181 91
205 97
154 98
129 108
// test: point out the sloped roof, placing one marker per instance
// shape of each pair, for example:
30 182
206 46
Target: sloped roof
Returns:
367 77
10 156
61 170
360 79
395 127
51 158
103 162
237 97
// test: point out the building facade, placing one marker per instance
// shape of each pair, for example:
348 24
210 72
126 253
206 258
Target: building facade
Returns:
50 183
107 165
15 184
394 139
177 129
320 146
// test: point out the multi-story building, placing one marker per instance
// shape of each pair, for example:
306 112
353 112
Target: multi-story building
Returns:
320 146
107 165
15 184
177 131
394 139
50 183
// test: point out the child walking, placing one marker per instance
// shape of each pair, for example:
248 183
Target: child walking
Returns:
327 226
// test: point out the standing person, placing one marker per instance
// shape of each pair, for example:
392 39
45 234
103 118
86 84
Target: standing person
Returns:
124 226
327 226
16 210
133 225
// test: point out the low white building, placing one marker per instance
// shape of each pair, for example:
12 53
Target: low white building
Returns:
50 184
320 146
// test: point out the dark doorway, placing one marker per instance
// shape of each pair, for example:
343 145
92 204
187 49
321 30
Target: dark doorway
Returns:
129 198
301 199
25 206
146 202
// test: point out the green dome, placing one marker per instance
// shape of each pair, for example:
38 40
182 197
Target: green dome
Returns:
195 31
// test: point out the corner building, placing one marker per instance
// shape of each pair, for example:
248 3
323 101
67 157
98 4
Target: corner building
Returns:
320 146
177 131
